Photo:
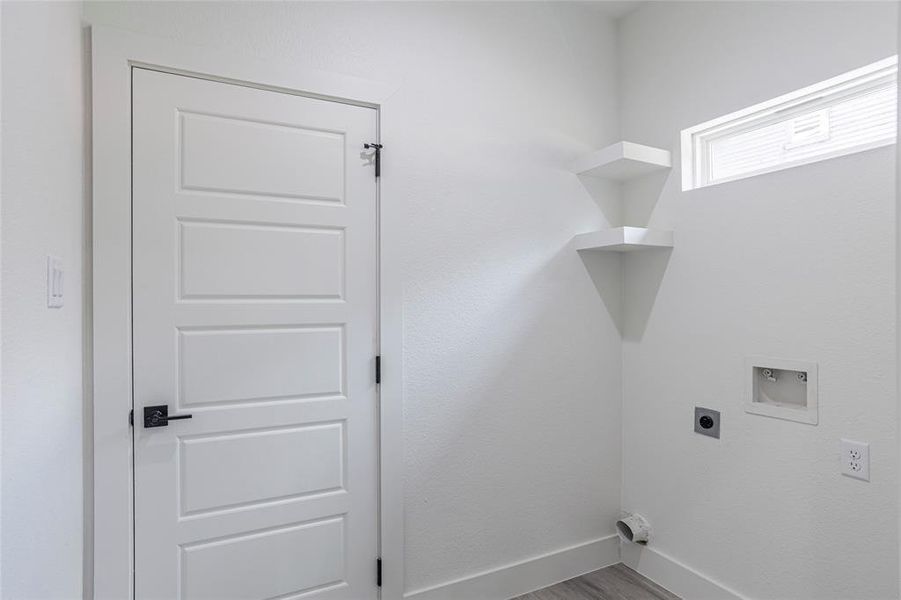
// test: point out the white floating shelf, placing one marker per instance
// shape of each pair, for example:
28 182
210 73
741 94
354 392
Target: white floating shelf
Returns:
623 239
623 160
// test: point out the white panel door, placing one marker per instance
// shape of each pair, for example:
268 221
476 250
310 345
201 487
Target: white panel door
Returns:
255 312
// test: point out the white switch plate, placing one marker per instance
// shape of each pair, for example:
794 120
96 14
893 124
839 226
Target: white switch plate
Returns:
856 459
54 282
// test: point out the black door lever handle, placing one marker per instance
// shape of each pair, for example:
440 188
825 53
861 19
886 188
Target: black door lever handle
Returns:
158 416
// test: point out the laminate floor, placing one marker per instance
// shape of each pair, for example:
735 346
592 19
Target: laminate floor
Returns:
617 582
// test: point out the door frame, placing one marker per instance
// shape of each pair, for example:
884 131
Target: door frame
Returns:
114 53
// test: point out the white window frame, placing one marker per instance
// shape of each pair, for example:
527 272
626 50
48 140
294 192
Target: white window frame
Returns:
109 546
695 140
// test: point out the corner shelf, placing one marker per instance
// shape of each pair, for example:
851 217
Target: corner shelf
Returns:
623 239
622 161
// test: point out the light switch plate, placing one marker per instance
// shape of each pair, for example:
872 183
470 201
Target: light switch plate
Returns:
54 282
856 459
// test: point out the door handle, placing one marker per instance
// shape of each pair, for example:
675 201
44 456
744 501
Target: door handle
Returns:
158 416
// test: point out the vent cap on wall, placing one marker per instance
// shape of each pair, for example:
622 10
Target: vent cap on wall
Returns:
634 528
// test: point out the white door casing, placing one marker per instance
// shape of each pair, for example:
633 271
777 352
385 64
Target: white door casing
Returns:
254 310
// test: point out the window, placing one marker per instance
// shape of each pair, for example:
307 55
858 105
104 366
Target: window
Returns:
852 112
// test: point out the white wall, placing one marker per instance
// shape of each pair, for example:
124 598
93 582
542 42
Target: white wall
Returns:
42 213
796 264
513 391
511 346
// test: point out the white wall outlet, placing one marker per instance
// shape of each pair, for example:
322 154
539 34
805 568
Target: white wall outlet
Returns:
856 459
54 282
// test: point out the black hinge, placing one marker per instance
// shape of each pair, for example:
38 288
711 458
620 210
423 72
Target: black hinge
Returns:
378 369
378 572
131 417
378 156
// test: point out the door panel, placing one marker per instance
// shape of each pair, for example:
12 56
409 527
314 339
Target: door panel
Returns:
254 275
265 564
222 471
260 363
228 261
234 155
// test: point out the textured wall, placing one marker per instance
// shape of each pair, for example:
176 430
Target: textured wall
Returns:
796 264
42 204
512 350
513 392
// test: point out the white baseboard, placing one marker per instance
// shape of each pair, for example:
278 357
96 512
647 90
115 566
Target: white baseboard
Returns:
678 578
526 576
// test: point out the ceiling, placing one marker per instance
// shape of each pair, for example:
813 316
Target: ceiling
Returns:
615 8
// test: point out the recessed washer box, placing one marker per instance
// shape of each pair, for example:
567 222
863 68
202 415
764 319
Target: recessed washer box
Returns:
781 388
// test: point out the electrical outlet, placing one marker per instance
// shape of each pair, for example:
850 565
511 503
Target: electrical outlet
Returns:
856 459
707 422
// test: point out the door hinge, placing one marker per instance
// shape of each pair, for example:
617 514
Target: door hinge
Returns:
378 572
131 417
378 369
378 156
